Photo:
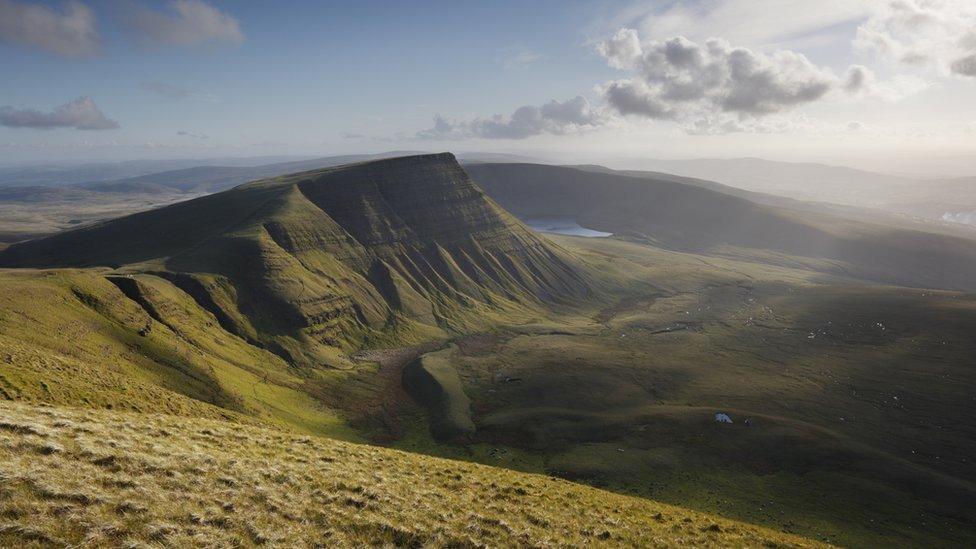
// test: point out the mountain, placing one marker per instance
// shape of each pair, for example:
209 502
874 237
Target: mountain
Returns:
322 259
396 302
693 218
74 173
62 197
213 178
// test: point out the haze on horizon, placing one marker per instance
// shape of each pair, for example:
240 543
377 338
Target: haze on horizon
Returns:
883 85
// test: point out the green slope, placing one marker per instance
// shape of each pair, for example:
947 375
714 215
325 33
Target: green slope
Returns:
313 263
97 479
302 301
668 213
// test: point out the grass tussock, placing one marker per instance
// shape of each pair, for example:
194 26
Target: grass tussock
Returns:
97 479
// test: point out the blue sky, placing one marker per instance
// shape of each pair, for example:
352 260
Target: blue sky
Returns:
309 72
184 78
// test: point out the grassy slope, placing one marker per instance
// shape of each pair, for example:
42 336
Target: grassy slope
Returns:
666 213
665 340
72 337
701 335
101 479
315 263
847 440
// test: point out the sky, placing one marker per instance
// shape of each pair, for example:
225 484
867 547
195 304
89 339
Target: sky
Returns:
852 82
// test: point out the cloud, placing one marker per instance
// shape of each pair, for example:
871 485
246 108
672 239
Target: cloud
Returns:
554 117
862 82
965 66
857 78
72 32
352 135
753 23
939 33
81 114
969 218
680 79
184 23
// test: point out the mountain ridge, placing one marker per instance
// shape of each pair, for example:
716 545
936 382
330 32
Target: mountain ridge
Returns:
330 256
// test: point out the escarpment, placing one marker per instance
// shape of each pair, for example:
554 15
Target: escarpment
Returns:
315 262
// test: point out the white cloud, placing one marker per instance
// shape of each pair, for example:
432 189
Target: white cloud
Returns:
862 82
71 32
939 33
968 218
622 50
755 23
184 23
81 114
554 117
680 79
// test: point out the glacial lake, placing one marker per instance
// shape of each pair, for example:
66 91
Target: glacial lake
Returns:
563 225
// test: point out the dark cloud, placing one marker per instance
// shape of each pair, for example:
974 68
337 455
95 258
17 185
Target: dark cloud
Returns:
635 97
965 66
81 114
71 32
857 79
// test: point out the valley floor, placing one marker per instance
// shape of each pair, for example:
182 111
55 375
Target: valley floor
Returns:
851 409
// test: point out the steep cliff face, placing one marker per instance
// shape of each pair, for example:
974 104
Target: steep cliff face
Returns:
313 262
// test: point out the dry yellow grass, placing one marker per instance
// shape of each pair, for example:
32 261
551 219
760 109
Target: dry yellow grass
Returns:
72 477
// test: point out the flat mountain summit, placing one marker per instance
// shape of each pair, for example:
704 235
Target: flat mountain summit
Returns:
329 257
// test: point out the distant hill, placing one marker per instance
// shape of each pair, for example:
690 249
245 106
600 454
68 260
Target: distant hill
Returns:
322 259
60 174
218 178
835 184
670 213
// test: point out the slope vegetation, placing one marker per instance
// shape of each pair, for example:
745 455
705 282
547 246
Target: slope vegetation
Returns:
668 213
101 479
313 263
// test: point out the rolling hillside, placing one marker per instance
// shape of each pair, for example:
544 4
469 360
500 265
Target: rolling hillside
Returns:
311 263
39 201
916 196
394 302
104 479
664 212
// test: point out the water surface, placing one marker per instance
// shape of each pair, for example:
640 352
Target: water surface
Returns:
563 225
